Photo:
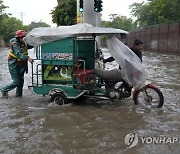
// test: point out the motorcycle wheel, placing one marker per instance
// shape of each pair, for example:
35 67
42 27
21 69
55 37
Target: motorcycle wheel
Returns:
151 96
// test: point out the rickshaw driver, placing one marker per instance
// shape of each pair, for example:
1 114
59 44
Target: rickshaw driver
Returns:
116 74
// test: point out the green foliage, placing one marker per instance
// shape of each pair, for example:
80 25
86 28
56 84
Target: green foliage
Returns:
2 7
2 14
9 26
156 12
36 25
65 13
120 23
123 23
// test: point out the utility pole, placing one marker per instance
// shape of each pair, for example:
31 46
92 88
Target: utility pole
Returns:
22 15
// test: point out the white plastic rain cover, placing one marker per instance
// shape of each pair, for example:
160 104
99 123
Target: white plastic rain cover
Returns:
43 35
132 70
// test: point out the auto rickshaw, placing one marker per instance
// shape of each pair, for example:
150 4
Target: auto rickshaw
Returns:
64 67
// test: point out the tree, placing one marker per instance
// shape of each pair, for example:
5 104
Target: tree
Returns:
9 26
65 13
156 12
123 23
2 14
106 23
120 22
36 25
2 8
61 1
168 11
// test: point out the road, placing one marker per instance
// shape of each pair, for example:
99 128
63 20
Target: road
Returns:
30 125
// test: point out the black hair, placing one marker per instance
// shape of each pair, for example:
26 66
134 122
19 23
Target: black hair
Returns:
18 40
137 42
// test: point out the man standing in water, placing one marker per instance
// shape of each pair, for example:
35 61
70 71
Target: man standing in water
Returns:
17 64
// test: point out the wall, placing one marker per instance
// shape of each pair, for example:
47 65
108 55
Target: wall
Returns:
160 39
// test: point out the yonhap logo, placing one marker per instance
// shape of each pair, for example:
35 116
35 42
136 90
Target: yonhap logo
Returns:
131 139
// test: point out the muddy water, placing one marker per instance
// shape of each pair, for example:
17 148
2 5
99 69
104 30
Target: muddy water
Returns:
30 125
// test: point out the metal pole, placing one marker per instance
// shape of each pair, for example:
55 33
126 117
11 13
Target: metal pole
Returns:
79 14
90 16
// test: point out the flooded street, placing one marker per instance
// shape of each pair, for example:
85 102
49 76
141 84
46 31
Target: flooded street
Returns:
30 125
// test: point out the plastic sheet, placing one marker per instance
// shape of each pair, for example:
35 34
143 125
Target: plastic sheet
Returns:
132 70
43 35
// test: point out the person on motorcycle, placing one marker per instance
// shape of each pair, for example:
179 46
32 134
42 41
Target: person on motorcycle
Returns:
17 64
116 74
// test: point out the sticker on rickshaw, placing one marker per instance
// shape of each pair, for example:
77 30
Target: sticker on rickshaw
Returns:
57 72
59 56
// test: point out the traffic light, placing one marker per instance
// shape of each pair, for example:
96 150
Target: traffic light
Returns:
98 5
81 6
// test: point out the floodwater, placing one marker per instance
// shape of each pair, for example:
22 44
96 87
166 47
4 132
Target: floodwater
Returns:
30 125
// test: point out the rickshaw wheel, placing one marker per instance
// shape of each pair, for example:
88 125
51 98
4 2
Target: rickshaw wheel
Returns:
59 98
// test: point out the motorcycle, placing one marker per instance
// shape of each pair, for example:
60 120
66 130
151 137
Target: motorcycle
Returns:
149 94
